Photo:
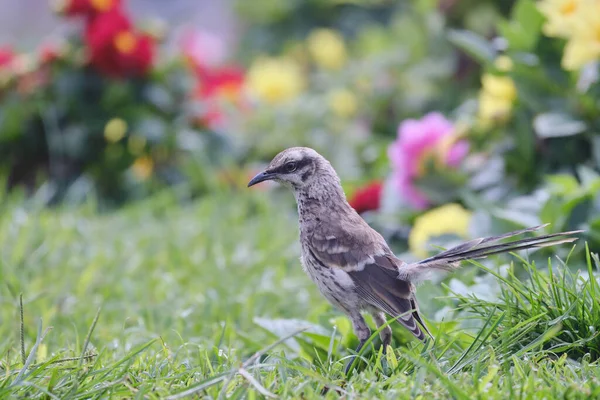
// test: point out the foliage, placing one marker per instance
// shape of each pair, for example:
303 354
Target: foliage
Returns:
557 310
98 114
446 121
552 127
503 92
342 77
187 296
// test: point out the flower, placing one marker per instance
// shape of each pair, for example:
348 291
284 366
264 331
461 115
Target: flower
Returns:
7 56
499 86
584 43
142 168
87 8
216 86
561 16
343 103
327 48
504 63
203 49
115 49
115 130
367 198
496 98
224 82
432 135
579 22
447 219
275 80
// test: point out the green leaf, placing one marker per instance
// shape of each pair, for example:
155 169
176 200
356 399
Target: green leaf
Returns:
318 340
561 184
523 29
473 44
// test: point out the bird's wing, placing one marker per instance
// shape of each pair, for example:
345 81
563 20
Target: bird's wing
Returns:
379 286
348 245
374 271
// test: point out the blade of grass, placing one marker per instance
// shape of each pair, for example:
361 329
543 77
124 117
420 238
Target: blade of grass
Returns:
22 329
472 347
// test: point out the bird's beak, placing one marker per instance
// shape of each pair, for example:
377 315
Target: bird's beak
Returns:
263 176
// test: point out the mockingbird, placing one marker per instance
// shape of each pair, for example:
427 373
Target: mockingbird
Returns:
352 264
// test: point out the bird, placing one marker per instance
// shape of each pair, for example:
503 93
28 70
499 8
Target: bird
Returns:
351 263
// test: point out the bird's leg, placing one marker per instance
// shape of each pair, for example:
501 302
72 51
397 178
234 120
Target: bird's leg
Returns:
386 333
362 331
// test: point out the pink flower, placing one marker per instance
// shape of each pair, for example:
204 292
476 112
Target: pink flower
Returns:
203 48
417 139
7 57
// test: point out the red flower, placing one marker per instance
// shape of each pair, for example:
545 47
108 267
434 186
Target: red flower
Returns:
224 82
101 31
88 8
7 56
134 53
215 86
115 49
367 198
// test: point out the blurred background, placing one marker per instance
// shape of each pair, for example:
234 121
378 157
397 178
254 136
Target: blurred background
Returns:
130 128
490 106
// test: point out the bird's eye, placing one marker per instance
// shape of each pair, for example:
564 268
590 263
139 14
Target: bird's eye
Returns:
290 167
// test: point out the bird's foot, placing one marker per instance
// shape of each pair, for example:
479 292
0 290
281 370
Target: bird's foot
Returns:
348 365
351 360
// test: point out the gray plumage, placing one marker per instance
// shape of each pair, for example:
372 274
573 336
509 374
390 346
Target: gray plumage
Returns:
351 263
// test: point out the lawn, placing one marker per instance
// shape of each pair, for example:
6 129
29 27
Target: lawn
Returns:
161 299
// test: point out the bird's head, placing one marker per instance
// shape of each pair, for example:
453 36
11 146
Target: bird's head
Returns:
297 167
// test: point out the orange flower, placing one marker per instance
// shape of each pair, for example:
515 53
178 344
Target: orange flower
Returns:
87 8
142 168
216 86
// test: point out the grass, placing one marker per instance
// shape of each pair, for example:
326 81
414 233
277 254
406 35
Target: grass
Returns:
160 300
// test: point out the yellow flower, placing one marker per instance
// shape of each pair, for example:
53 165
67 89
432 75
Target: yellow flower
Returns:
142 168
275 80
447 219
579 22
327 48
584 43
343 103
493 108
499 86
115 130
503 63
561 16
496 98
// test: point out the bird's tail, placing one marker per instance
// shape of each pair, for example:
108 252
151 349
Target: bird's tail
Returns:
481 248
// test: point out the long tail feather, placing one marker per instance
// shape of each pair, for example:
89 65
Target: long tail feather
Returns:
481 248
